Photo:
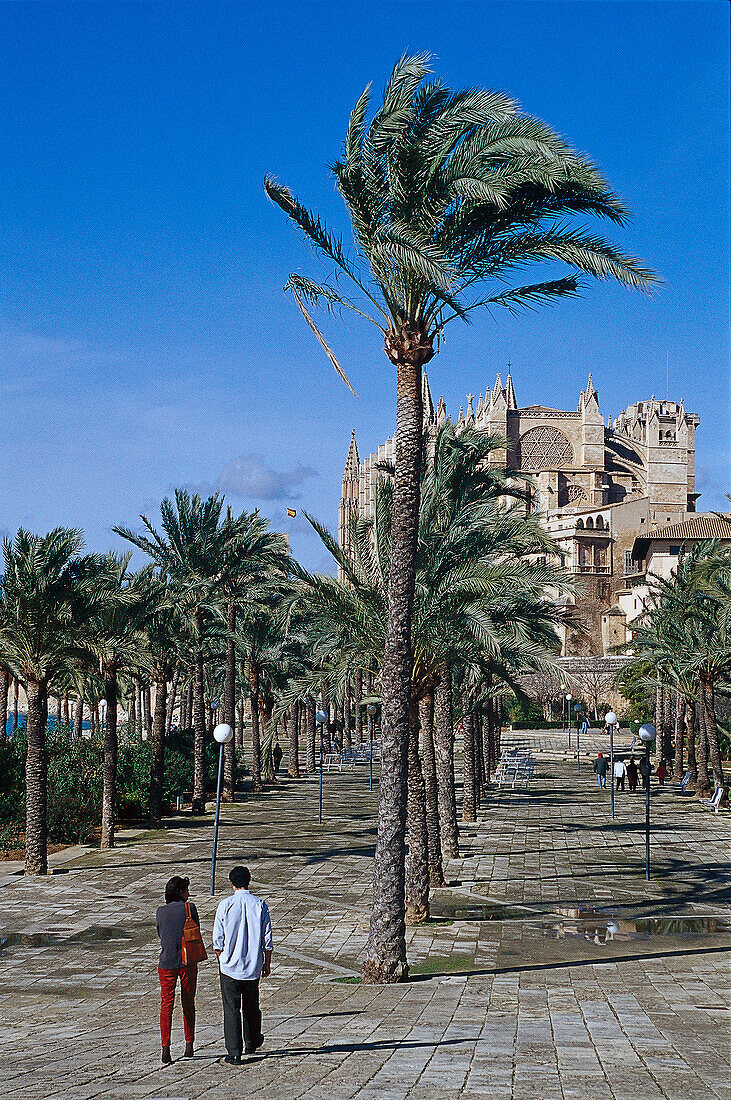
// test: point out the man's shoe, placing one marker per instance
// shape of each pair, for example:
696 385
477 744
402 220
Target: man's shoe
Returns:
166 1056
253 1049
233 1059
188 1050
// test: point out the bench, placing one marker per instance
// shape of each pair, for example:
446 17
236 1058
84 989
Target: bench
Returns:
336 761
712 803
680 787
514 768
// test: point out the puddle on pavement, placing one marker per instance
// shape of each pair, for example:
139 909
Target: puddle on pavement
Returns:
88 937
600 927
486 911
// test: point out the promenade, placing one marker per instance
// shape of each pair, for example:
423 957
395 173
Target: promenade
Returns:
551 968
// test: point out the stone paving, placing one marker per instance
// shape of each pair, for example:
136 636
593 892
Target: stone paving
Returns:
554 999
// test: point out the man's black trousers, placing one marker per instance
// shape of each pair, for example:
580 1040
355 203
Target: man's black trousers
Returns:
240 1002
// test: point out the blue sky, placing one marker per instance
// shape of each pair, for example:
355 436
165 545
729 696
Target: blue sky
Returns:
145 342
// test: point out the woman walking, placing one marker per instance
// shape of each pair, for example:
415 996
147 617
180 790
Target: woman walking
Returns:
170 920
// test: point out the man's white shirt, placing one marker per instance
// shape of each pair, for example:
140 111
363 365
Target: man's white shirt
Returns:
242 932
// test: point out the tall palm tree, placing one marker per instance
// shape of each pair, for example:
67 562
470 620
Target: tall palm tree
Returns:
448 193
117 645
50 594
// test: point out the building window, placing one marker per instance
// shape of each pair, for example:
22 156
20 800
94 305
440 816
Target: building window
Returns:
545 448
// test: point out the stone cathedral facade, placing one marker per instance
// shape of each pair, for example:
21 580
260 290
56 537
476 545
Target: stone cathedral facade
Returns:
597 486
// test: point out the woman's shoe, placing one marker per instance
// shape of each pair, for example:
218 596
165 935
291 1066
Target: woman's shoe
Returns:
166 1056
188 1050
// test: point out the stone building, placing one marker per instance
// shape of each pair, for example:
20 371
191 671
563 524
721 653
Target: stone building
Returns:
597 486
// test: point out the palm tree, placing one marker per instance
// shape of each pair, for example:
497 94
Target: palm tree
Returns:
446 192
50 593
479 602
117 644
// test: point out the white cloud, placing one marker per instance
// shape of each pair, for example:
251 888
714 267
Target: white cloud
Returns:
250 476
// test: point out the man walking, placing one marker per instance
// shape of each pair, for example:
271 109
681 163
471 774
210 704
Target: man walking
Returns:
620 771
242 940
600 767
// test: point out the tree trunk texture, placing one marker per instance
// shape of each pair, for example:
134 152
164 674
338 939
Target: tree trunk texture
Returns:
79 716
157 770
679 739
14 725
255 735
347 719
109 763
386 951
434 843
36 777
339 726
4 691
703 782
479 760
311 733
444 758
690 741
417 860
293 764
148 712
170 702
199 738
358 705
229 707
66 711
266 706
469 798
714 752
239 729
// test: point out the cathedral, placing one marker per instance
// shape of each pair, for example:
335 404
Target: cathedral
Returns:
597 487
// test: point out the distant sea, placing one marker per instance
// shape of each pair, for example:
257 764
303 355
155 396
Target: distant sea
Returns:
21 721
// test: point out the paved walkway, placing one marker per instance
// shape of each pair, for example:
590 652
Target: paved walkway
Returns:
571 994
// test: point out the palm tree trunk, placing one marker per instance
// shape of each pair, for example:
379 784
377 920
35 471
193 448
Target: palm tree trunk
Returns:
468 766
311 732
157 770
679 738
293 767
66 712
690 738
36 777
14 725
239 731
347 713
109 763
434 844
266 707
199 737
358 705
386 951
256 783
444 758
417 860
714 751
703 782
169 703
79 716
4 690
229 707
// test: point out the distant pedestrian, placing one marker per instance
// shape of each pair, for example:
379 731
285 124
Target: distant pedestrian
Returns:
662 772
645 770
632 774
242 940
170 920
601 766
277 756
620 772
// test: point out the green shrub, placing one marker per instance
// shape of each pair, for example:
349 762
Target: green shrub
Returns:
74 786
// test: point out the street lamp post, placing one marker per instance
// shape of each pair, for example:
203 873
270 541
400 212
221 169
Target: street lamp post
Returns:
321 718
222 735
610 721
577 712
647 736
568 721
372 711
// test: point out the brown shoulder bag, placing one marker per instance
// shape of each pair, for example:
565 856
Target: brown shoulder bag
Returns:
192 950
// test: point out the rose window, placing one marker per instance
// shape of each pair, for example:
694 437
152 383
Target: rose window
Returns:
545 448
